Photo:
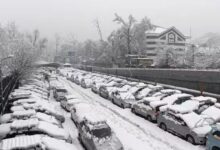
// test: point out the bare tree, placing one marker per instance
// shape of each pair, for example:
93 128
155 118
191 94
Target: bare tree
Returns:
126 29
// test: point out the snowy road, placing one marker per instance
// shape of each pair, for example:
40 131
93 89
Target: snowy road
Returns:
134 132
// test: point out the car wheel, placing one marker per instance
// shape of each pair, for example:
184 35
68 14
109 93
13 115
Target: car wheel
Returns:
190 139
149 118
122 105
163 126
133 110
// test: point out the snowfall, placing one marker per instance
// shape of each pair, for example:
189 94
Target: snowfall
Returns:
134 132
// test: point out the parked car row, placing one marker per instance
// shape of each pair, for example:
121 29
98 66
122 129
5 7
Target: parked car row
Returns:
31 122
94 131
185 115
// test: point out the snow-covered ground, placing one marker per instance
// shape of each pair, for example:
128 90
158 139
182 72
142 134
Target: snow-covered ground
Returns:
134 132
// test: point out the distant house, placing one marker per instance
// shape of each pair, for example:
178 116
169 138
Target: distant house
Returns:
161 37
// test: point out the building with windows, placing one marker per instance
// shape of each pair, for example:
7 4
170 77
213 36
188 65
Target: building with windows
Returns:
162 37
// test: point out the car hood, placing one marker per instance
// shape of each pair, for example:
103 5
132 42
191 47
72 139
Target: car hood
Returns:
111 143
126 96
202 131
151 99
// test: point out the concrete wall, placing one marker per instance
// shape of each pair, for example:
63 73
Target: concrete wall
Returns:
201 80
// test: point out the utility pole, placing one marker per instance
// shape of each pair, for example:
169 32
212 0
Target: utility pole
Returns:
99 29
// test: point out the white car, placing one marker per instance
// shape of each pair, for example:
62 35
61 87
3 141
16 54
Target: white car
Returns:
38 141
27 114
148 91
31 126
170 100
96 134
78 111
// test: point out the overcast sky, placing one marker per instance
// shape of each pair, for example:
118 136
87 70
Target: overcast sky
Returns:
77 16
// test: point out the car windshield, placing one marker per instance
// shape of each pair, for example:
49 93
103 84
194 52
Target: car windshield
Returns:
205 121
101 132
62 90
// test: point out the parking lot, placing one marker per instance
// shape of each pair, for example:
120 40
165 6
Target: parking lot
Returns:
65 110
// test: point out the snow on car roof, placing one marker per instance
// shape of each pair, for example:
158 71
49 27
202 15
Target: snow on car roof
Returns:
94 118
212 112
185 107
47 118
75 101
193 120
24 113
70 96
56 144
53 130
217 105
153 86
151 99
20 142
170 91
126 96
141 84
204 98
21 124
169 99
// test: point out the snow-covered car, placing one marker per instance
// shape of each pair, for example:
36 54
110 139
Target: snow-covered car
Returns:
79 110
106 89
33 126
19 95
35 142
79 77
68 101
191 126
27 114
161 94
170 100
124 88
213 138
87 82
147 91
204 103
96 134
125 99
212 112
44 107
97 84
147 111
67 105
60 93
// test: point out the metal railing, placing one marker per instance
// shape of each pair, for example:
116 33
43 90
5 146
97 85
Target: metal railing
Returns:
8 84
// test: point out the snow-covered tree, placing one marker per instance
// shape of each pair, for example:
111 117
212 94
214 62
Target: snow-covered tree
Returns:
126 30
139 34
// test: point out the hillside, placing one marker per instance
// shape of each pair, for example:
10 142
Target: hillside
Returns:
209 39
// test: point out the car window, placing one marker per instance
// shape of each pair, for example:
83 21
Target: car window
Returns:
181 100
146 102
216 134
170 115
216 148
102 132
180 121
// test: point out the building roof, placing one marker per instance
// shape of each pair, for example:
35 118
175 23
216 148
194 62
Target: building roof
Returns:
156 30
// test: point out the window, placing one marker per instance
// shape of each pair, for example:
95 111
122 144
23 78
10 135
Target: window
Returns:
171 38
163 38
179 39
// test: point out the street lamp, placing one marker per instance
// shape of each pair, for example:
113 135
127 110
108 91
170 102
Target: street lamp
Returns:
1 88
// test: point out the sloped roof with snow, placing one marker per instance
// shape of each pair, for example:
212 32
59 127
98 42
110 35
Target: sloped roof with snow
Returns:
156 30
